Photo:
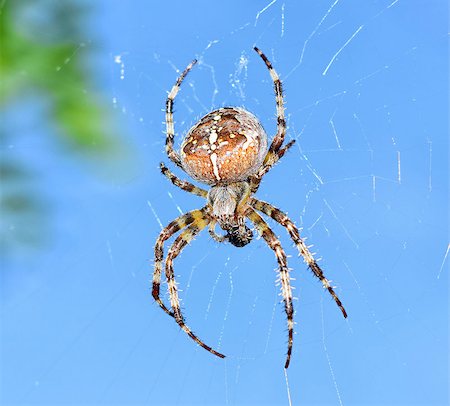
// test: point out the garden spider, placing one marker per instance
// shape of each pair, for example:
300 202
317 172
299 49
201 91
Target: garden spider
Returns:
227 150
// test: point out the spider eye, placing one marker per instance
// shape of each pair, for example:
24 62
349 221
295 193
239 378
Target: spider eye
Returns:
227 145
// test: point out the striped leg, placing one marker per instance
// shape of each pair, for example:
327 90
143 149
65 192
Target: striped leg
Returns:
281 121
274 153
182 184
281 218
272 159
286 290
180 242
173 155
172 228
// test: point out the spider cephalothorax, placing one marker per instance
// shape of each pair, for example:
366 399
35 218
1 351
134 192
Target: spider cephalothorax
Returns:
228 204
227 150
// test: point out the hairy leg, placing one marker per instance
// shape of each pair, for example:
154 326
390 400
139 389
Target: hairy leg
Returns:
271 159
284 220
182 184
275 151
281 121
286 290
170 132
180 242
172 228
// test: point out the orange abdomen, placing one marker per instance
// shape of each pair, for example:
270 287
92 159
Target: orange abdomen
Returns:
227 145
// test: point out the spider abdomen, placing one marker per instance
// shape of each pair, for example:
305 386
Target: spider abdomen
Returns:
227 145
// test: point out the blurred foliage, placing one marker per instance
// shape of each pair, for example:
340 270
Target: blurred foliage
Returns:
23 215
42 53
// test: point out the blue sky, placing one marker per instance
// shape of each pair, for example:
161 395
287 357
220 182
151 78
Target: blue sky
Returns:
366 88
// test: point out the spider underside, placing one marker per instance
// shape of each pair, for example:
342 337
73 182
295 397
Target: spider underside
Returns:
227 149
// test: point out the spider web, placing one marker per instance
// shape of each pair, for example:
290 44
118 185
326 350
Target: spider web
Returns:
365 88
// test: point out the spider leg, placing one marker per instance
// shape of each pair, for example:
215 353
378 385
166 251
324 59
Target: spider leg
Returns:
213 234
170 132
182 184
281 121
272 159
286 290
172 228
180 242
274 153
284 220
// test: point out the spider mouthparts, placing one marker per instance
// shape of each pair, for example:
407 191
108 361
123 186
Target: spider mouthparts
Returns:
239 236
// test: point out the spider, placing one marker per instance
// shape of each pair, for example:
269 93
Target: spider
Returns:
227 150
